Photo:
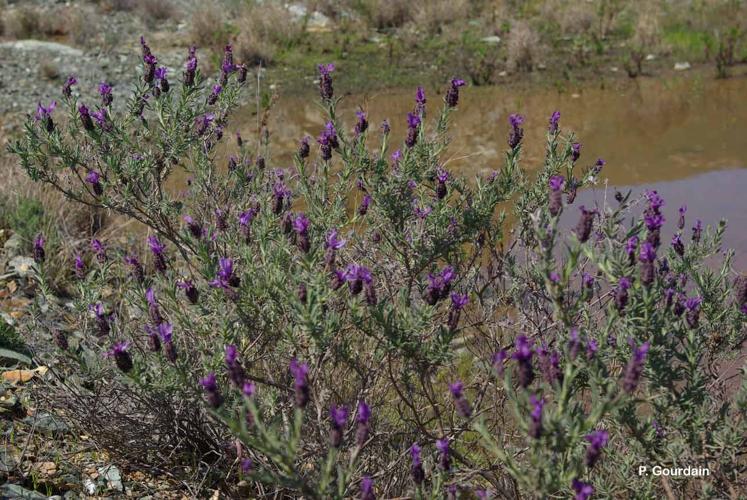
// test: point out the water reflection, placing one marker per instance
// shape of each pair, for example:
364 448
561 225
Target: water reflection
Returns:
684 136
710 197
647 130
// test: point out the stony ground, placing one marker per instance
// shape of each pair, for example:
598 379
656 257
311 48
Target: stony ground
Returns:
41 455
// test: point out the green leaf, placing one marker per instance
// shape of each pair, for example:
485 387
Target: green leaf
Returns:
17 356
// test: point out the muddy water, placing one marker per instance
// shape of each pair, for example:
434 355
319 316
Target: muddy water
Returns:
685 136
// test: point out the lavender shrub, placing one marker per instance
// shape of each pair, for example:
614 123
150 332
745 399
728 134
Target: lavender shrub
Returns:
362 324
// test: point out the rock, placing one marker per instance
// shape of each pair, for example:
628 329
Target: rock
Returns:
21 266
682 66
15 492
112 476
13 246
48 424
492 40
47 469
315 21
37 46
89 486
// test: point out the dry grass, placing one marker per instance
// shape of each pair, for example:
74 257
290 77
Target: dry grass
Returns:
153 12
29 208
208 29
384 14
22 22
264 29
48 70
432 15
523 47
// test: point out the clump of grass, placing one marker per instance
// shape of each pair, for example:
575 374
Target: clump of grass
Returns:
209 29
523 46
156 11
49 70
264 30
22 22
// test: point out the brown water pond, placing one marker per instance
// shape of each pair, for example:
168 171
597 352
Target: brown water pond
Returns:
685 136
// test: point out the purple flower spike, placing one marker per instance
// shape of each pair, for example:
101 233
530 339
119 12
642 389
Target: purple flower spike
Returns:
213 97
236 372
367 492
597 441
463 407
444 459
575 151
634 368
681 222
647 258
212 392
121 356
362 123
80 267
420 101
517 133
44 115
303 147
678 245
585 223
99 250
105 91
439 285
326 90
535 424
584 491
554 122
523 356
39 253
697 230
328 141
452 95
621 294
300 371
363 429
356 276
158 249
416 469
301 225
190 290
498 361
249 389
556 194
365 203
67 86
413 126
338 417
692 307
136 268
458 302
85 117
190 69
94 179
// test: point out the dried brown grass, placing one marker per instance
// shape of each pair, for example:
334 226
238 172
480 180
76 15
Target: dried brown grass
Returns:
62 220
264 29
523 47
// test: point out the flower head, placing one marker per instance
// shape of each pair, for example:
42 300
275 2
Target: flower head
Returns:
452 95
584 491
554 121
634 368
